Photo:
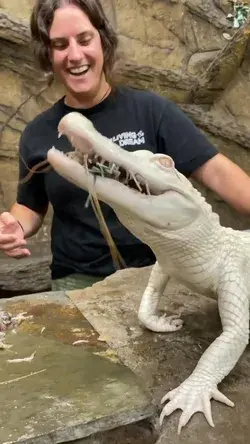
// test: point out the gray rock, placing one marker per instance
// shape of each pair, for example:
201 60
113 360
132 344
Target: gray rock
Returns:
67 393
28 275
205 9
200 61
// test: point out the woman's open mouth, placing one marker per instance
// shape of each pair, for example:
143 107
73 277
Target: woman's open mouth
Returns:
79 70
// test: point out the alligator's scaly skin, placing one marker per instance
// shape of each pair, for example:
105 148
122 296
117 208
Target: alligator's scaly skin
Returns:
203 255
208 259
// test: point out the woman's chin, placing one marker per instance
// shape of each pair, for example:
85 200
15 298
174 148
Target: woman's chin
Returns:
82 88
79 85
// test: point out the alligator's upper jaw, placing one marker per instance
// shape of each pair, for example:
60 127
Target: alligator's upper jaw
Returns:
139 164
155 172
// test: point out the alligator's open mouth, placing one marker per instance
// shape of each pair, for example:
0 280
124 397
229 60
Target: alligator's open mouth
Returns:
100 156
98 166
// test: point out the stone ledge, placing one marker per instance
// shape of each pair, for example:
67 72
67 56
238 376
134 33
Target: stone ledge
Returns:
28 275
206 118
205 10
142 432
13 29
166 82
83 394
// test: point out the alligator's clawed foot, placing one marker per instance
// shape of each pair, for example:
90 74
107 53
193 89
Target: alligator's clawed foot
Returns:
162 324
192 396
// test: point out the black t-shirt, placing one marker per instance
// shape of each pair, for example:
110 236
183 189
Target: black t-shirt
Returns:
133 119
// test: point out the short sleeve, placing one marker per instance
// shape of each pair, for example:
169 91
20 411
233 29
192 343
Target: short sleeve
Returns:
179 138
31 193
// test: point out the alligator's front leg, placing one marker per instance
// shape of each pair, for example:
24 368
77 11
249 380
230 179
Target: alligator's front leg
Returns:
147 313
194 394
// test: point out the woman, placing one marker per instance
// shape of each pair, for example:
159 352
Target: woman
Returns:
74 41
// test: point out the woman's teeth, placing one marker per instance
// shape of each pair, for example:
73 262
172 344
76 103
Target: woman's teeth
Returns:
78 71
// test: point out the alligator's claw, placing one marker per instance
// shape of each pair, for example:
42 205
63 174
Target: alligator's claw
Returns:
162 324
191 397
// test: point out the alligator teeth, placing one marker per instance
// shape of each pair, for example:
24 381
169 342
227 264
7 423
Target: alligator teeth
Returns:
112 168
117 173
136 182
147 188
99 166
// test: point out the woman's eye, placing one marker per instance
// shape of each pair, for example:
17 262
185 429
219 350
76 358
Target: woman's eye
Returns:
84 41
59 45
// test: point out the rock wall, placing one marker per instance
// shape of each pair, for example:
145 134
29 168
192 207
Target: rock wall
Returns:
182 49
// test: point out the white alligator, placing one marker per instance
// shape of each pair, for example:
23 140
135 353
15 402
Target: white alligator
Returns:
171 216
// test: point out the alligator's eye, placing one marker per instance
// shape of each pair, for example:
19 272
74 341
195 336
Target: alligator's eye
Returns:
166 162
163 160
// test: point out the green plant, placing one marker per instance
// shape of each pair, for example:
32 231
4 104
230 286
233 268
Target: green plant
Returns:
240 13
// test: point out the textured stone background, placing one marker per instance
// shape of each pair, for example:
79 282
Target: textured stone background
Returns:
173 47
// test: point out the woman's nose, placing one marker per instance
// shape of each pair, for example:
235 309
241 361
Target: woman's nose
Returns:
75 52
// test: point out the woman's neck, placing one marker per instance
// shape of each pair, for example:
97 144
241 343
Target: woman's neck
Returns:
86 101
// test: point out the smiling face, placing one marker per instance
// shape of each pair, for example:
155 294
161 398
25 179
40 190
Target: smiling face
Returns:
77 56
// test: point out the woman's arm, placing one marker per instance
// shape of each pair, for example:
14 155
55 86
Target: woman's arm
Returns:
29 220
